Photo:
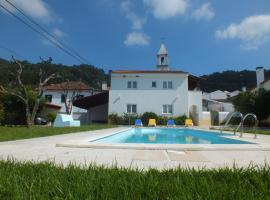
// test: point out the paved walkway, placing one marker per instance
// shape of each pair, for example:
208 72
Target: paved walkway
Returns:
44 149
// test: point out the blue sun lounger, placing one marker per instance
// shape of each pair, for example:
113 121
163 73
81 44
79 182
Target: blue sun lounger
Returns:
138 122
170 122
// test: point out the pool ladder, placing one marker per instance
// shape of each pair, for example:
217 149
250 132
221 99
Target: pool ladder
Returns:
241 124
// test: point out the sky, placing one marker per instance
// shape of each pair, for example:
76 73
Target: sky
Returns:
201 36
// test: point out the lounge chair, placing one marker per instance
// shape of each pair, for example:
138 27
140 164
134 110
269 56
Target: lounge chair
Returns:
188 122
138 122
170 122
152 122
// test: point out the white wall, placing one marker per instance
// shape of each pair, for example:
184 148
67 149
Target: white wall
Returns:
98 113
56 99
148 98
266 85
195 98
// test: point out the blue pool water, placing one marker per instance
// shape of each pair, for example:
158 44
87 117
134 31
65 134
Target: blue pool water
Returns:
168 136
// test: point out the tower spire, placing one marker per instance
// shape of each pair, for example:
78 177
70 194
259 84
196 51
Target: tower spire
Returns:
162 58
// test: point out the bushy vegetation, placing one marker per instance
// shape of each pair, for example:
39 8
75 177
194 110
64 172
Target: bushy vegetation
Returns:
15 109
51 117
47 181
130 119
257 102
86 73
20 132
230 80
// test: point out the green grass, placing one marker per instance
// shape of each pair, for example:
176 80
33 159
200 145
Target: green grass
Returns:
47 181
16 133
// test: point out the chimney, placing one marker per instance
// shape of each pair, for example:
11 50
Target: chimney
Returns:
104 87
259 75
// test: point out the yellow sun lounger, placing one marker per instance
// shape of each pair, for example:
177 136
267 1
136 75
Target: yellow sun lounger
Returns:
188 122
152 122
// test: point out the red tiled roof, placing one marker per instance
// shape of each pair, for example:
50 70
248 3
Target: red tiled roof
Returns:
70 85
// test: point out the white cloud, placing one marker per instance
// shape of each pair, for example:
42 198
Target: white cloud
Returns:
253 31
205 12
58 33
137 39
164 9
137 22
35 8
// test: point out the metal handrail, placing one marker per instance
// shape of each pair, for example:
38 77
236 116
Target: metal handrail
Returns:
228 120
255 125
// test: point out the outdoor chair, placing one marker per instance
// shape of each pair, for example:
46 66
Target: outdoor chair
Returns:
170 122
138 122
152 122
188 122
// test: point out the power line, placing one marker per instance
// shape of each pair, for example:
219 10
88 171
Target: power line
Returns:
47 32
40 33
11 51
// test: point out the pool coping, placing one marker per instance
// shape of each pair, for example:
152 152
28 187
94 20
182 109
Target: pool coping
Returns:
260 143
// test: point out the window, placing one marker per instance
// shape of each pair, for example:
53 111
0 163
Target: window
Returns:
63 98
162 60
48 98
129 84
131 108
167 109
154 84
170 84
164 84
167 84
132 84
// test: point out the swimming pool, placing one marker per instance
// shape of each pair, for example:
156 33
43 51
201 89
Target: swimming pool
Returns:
168 136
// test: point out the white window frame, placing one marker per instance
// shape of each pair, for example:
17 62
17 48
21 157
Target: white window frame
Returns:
129 83
167 84
167 109
131 108
132 84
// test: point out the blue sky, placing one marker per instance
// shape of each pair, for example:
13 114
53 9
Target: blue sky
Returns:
201 36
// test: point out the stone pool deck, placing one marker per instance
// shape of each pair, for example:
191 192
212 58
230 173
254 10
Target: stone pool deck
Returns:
59 149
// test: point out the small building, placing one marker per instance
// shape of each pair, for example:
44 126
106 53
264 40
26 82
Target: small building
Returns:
55 95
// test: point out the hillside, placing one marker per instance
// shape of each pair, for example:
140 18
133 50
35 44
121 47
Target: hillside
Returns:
93 76
230 80
88 74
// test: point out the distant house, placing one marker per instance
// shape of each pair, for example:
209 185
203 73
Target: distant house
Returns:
55 95
261 81
219 101
162 90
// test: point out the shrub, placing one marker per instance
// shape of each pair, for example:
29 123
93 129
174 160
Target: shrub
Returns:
51 117
162 120
214 118
114 119
2 113
180 120
148 115
127 119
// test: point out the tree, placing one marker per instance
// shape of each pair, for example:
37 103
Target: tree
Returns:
256 102
19 90
70 94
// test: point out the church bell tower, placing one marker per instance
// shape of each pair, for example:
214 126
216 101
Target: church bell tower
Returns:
162 59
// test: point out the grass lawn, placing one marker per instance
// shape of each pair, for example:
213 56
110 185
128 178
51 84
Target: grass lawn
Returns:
16 133
47 181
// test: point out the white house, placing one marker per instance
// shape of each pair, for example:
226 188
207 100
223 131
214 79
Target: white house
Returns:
261 82
162 91
55 95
